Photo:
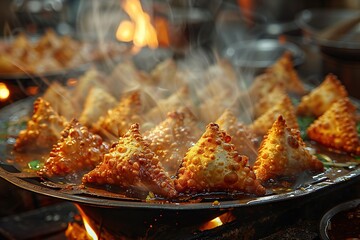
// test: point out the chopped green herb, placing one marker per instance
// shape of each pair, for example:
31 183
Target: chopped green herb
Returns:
304 123
35 165
295 101
324 158
328 162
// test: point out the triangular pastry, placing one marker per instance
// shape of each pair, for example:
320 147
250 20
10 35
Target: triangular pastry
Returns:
280 74
222 69
212 164
42 130
76 152
178 99
131 163
61 101
283 154
91 78
262 85
244 140
284 72
322 97
212 108
336 128
171 139
97 103
285 108
269 100
125 77
117 120
164 75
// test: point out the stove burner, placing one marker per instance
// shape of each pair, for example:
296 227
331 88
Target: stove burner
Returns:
286 220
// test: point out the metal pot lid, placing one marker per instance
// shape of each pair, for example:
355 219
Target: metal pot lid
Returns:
261 53
339 28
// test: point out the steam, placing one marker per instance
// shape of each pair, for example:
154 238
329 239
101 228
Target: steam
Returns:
195 75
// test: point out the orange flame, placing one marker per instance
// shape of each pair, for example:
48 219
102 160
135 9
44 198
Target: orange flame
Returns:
218 221
91 233
4 92
139 29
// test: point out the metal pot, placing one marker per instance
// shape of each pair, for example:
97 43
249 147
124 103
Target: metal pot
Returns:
325 222
337 35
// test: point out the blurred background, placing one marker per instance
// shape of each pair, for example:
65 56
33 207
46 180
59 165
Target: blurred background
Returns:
226 27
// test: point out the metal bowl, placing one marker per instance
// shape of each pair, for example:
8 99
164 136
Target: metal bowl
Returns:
335 29
326 219
336 32
261 53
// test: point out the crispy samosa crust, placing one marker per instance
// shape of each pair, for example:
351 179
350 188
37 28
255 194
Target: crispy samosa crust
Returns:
43 129
262 85
244 140
91 78
273 97
212 164
177 100
280 74
171 139
285 108
322 97
284 72
77 151
336 128
283 154
97 103
61 101
118 119
131 163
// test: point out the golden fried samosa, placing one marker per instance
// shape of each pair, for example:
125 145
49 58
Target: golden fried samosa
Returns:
171 139
125 77
131 163
322 97
61 101
213 164
42 130
262 85
244 140
117 120
97 103
284 72
336 128
284 107
269 100
76 152
91 78
281 74
178 99
283 153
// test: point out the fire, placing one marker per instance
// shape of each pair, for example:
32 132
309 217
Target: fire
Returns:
86 232
91 233
4 92
139 29
218 221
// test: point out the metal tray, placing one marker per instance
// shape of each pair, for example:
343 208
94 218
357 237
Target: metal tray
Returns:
12 118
